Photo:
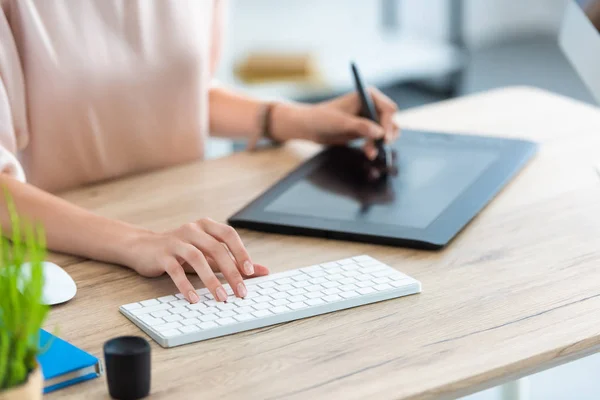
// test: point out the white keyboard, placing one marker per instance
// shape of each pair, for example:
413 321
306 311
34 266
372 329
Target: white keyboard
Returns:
273 299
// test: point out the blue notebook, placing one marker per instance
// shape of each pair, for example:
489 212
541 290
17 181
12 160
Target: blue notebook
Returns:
64 364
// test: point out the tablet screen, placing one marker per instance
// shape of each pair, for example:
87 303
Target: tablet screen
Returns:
429 180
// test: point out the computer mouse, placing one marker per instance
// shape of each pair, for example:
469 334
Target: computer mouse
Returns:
59 287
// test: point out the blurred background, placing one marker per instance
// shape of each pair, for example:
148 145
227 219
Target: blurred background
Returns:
417 52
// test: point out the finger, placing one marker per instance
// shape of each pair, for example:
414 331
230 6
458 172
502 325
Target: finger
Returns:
363 127
211 246
382 102
227 235
259 270
194 258
370 150
177 274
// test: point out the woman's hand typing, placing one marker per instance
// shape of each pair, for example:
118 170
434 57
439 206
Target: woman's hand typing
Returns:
204 247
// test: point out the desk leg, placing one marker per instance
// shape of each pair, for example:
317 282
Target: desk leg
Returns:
515 390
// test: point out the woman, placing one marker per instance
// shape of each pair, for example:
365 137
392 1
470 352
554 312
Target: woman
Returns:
95 89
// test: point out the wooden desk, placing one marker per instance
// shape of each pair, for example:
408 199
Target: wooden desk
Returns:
518 291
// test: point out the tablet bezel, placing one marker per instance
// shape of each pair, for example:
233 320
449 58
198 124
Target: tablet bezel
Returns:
512 156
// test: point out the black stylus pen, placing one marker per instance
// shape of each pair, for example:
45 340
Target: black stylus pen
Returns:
369 111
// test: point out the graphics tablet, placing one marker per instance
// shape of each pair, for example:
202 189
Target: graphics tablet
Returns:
444 181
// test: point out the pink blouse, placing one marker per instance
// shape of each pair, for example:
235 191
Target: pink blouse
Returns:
96 89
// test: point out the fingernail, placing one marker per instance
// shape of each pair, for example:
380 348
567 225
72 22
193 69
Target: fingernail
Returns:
193 297
221 294
248 268
242 291
377 131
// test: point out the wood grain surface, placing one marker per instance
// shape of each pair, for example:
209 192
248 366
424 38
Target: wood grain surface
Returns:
516 292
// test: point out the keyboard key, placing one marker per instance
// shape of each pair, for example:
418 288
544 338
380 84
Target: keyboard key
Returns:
148 303
173 318
346 288
346 261
132 306
350 294
167 327
160 314
209 310
383 286
267 291
384 272
203 292
332 298
244 317
314 288
190 321
330 284
403 282
296 292
262 306
362 258
245 302
280 302
262 299
226 306
314 295
179 310
298 305
226 321
189 329
316 281
301 278
170 333
179 303
365 284
225 314
180 296
208 325
148 310
167 299
280 309
300 284
336 270
336 277
190 314
315 302
209 317
294 299
285 288
247 309
347 281
279 295
366 290
152 321
283 281
383 279
317 274
312 268
363 277
352 274
268 284
332 291
197 306
330 264
262 313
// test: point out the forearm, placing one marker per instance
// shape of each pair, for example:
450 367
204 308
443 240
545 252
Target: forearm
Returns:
69 229
237 116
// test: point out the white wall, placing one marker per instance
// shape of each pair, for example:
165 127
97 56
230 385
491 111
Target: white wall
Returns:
493 20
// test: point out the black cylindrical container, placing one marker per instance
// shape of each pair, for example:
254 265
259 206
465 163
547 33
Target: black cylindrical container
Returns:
127 361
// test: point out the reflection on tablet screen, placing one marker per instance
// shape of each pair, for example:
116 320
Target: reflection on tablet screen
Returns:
428 181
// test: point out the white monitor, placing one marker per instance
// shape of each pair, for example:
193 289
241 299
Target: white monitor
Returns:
580 41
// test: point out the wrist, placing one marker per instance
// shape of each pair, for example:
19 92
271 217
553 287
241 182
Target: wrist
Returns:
130 246
287 122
